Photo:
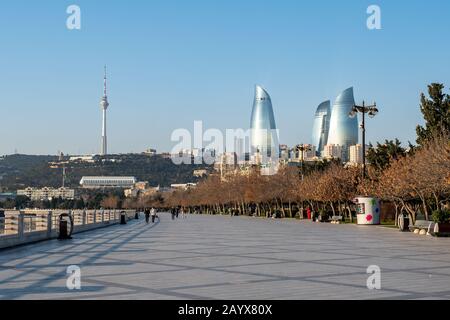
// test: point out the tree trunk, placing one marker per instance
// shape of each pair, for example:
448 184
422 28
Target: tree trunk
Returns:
332 208
290 209
396 214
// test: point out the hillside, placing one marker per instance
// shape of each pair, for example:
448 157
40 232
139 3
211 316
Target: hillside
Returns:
19 171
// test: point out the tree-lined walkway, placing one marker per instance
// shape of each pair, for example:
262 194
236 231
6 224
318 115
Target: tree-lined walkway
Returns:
212 257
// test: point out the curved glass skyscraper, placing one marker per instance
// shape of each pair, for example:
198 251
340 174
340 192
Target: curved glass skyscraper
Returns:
321 126
343 129
264 135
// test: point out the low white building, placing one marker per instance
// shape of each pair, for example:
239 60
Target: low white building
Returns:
131 193
150 152
200 173
182 186
86 159
108 182
47 193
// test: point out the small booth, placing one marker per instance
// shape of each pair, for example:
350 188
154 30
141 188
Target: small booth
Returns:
368 210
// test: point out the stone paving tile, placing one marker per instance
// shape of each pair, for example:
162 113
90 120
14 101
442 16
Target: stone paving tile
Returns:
215 257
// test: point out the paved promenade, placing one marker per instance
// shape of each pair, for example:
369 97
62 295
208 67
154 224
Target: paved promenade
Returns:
205 257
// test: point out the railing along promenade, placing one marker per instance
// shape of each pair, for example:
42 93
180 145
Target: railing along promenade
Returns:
28 226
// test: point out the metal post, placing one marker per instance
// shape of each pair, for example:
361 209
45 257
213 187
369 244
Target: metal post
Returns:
372 111
364 140
301 162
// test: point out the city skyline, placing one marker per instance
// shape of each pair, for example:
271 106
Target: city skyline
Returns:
168 68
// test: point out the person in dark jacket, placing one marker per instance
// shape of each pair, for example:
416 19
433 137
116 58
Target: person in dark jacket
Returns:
147 215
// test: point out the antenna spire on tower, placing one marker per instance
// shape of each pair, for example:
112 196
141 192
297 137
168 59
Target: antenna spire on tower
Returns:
105 82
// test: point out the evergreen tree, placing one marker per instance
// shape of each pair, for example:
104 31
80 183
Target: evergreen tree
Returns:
381 156
436 112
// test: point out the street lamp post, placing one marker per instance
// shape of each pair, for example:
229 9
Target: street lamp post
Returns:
301 148
372 111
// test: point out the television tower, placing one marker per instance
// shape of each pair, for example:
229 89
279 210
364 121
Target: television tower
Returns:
104 105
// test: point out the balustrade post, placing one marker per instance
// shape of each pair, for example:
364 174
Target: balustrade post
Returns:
49 223
20 225
103 215
84 217
95 216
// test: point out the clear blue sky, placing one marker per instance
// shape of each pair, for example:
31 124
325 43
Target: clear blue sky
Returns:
173 62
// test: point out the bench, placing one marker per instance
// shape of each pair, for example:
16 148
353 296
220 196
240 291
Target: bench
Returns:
422 227
337 219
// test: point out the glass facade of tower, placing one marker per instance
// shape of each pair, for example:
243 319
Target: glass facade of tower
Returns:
343 129
321 126
264 135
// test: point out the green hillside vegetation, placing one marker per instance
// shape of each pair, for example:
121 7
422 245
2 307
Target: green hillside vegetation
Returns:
19 171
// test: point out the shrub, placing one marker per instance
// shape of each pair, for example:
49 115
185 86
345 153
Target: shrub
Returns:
441 216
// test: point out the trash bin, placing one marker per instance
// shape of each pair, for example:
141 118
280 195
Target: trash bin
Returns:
403 222
123 218
65 226
2 221
63 229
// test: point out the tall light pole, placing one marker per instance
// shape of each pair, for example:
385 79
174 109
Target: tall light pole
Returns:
372 111
301 148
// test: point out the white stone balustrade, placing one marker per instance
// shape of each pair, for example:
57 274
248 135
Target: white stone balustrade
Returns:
28 226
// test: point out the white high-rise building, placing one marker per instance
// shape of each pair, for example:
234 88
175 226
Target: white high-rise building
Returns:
321 126
331 151
356 154
309 153
343 129
284 152
104 104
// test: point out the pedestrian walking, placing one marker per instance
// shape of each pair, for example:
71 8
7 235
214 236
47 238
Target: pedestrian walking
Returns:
183 214
153 214
308 213
147 215
177 212
173 213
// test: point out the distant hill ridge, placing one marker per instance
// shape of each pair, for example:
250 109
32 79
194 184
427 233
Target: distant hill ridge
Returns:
19 171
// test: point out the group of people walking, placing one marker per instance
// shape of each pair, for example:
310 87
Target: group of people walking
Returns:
175 212
150 213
